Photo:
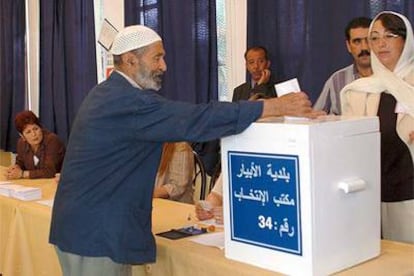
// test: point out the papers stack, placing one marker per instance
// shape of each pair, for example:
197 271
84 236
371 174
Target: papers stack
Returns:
7 188
20 192
27 193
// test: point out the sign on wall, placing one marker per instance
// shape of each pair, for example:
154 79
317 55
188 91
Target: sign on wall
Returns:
264 197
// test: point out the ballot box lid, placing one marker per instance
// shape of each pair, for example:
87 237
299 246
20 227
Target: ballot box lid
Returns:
334 125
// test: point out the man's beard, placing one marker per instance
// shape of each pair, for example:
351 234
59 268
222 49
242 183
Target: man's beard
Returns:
148 79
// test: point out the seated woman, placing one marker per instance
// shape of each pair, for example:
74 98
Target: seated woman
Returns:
212 207
175 173
39 152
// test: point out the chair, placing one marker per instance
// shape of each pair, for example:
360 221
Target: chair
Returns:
6 158
214 176
200 176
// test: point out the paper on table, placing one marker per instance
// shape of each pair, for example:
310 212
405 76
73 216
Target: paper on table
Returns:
208 222
5 182
47 202
20 192
26 193
212 239
6 189
287 87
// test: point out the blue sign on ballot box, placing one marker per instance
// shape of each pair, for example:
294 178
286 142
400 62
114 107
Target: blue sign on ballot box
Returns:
284 188
264 197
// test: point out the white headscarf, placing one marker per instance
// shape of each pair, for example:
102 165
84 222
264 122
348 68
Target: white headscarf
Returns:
385 80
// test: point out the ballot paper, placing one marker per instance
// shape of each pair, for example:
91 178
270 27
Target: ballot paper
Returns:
212 239
287 87
47 202
26 193
6 189
20 192
209 222
206 205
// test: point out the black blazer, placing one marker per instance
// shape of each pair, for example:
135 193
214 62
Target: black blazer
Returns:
244 91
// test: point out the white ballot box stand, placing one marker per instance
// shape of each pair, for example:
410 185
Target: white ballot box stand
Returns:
302 197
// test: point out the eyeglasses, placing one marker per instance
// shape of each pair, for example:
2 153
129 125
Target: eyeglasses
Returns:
375 38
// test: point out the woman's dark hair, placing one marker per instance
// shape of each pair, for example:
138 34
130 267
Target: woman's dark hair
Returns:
394 24
25 118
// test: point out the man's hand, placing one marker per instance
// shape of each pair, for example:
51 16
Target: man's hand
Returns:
292 104
202 213
265 77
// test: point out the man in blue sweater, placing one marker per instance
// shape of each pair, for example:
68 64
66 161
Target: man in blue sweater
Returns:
101 220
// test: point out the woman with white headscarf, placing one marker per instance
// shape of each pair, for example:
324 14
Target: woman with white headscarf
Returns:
389 94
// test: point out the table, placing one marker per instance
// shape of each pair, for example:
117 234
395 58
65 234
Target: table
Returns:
24 232
24 247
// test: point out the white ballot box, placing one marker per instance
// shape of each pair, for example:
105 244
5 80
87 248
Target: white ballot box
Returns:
302 197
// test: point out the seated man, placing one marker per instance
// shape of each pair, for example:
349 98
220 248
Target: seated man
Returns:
175 173
261 86
257 64
356 33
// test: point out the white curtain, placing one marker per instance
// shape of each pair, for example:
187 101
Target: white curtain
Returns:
236 30
32 55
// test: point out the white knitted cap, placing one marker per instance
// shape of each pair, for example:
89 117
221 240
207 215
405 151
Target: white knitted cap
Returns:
133 37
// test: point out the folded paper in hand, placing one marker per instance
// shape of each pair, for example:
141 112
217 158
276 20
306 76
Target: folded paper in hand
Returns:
287 87
206 205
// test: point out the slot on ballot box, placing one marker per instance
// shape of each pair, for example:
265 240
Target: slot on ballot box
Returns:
302 197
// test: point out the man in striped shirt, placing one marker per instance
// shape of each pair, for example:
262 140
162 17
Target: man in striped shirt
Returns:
356 33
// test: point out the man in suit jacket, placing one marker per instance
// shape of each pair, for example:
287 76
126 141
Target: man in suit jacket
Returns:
257 64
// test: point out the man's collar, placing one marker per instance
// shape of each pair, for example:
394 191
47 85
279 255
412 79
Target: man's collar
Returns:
131 81
355 71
